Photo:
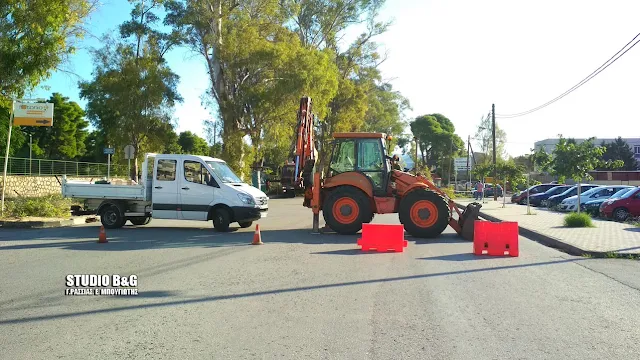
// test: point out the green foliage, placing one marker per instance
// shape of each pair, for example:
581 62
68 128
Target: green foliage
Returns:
571 160
618 156
36 37
191 143
541 159
46 206
131 97
18 138
450 192
437 140
578 220
66 139
484 135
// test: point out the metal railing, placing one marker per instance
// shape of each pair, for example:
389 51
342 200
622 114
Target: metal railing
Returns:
38 167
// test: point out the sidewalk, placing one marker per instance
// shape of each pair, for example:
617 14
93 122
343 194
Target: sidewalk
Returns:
547 227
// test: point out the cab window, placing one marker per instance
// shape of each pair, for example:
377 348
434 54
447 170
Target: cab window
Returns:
196 173
166 170
343 159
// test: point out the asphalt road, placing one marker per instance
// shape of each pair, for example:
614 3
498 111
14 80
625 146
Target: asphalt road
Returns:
206 295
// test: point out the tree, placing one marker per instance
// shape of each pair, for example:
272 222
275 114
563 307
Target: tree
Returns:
65 140
525 162
571 160
437 140
618 150
484 136
259 70
541 160
133 92
193 144
36 37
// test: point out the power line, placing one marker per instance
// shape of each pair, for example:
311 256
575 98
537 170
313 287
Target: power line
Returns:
602 67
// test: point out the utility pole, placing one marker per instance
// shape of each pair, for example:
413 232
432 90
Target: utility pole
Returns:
30 151
450 162
466 186
493 135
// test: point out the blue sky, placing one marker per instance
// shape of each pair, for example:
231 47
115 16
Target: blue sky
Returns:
457 57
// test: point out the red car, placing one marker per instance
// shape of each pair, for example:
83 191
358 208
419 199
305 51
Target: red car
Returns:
628 205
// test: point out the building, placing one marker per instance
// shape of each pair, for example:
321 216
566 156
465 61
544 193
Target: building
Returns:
550 144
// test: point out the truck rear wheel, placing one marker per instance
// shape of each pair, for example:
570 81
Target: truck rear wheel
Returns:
346 209
424 213
112 218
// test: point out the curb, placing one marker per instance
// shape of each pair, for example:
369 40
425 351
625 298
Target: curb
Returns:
35 224
544 239
45 224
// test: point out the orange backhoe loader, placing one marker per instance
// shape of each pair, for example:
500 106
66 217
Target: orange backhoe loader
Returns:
361 182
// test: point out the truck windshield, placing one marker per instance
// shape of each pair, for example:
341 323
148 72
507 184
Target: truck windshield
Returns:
223 172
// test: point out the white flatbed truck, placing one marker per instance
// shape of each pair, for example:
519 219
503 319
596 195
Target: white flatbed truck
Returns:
174 186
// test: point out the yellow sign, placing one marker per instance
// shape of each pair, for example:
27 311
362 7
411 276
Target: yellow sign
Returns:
33 114
488 180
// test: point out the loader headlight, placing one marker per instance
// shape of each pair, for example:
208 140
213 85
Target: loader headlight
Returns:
246 199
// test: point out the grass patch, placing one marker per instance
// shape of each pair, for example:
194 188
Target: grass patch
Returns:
53 206
576 220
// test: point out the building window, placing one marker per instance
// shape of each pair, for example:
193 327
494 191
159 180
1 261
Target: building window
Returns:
636 149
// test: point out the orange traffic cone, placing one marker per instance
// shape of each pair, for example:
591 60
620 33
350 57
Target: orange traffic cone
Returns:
102 238
257 239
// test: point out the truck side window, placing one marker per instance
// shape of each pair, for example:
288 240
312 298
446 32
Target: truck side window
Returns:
166 170
196 173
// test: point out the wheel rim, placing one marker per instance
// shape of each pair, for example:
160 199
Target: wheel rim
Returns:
621 214
110 217
424 213
345 210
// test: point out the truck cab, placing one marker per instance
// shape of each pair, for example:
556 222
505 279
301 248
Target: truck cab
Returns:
178 187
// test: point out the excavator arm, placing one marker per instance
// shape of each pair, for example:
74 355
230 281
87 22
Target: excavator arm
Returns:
305 153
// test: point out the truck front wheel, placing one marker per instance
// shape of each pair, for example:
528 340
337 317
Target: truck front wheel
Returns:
112 218
140 220
221 220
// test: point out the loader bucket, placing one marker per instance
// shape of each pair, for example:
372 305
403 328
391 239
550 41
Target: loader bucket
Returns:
467 220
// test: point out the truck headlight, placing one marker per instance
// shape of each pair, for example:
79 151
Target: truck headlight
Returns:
246 199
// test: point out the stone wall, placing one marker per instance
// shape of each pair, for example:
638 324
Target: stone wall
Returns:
34 186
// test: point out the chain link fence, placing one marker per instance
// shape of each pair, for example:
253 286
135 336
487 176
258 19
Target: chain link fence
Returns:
38 167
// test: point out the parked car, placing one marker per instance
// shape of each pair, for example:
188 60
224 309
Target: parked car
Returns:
538 199
521 197
628 205
600 192
592 207
488 191
555 200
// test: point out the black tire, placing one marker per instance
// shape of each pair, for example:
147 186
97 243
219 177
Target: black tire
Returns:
339 207
140 220
245 224
426 201
620 214
221 220
112 218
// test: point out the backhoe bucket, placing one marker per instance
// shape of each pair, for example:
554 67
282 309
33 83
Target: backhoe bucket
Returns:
467 220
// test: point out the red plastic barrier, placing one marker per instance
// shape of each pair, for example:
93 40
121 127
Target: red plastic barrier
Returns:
382 238
495 239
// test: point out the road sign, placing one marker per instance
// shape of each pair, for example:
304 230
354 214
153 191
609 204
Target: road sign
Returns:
460 164
109 151
32 114
129 152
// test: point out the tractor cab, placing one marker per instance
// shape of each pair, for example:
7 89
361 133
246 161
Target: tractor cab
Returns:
364 153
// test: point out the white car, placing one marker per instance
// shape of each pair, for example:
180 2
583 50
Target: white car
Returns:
600 192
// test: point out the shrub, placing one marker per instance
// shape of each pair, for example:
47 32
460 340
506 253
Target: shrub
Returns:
578 220
45 206
449 191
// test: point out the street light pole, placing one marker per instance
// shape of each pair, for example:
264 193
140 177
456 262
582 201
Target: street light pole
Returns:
493 135
30 151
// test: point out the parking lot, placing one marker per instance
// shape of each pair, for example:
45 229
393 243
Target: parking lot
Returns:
209 295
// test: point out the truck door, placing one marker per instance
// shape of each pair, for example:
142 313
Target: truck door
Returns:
165 189
197 190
